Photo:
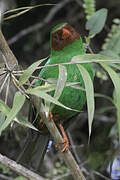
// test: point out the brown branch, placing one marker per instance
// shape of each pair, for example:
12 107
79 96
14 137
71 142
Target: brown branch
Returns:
67 156
19 169
6 53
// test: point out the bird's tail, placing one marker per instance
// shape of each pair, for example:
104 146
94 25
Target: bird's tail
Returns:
33 154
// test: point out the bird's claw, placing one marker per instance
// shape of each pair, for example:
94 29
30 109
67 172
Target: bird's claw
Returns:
66 147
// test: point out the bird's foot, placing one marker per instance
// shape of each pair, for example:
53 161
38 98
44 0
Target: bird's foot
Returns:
65 139
51 116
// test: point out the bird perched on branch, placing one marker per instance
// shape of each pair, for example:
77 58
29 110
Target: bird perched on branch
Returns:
65 43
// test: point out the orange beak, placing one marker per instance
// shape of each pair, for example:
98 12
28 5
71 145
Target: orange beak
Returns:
66 33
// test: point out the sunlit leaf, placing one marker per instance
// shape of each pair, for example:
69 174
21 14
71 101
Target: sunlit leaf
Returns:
28 72
2 118
47 97
19 119
46 87
23 10
62 78
4 108
18 102
97 21
89 94
116 81
94 58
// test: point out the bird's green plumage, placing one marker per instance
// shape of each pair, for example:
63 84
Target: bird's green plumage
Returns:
70 97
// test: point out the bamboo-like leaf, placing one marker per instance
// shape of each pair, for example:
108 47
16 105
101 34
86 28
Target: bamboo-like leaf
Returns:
116 81
104 96
26 7
75 85
4 108
46 87
28 72
2 118
23 10
47 97
86 58
89 94
19 119
15 15
61 81
18 102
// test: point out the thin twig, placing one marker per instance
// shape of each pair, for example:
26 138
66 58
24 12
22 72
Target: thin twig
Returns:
7 90
17 86
18 71
101 175
21 89
2 86
19 169
62 176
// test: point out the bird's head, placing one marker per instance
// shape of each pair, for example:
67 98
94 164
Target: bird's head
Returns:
63 35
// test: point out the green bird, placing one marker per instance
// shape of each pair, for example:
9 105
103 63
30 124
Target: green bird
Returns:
65 43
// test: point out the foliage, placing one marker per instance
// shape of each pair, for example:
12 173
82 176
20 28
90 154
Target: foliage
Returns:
106 61
95 24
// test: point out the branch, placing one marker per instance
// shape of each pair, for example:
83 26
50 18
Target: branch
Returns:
67 156
6 54
19 169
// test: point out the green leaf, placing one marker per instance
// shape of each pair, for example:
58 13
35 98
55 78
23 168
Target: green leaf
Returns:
24 10
94 58
46 87
2 118
47 97
89 94
28 72
97 21
116 81
19 119
18 102
4 108
104 96
61 81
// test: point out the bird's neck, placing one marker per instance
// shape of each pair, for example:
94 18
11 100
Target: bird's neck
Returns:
66 54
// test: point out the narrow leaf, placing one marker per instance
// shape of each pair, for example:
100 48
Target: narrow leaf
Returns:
4 108
86 58
28 72
61 81
19 119
46 97
89 94
104 96
18 102
116 81
46 87
2 118
97 21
